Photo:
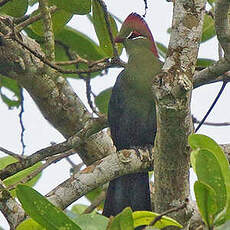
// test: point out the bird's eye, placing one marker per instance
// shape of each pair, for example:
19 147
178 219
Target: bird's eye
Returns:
135 35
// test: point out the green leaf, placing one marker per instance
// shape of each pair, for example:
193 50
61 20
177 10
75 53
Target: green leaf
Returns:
162 49
224 226
204 62
78 208
102 100
91 221
80 43
13 86
11 103
206 201
211 2
102 31
15 8
10 84
61 55
208 28
122 221
29 224
93 195
38 38
73 6
4 161
200 142
209 172
145 218
59 19
43 211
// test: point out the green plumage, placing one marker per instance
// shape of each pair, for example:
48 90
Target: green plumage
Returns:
132 117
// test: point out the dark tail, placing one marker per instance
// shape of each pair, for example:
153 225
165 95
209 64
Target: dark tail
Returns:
131 190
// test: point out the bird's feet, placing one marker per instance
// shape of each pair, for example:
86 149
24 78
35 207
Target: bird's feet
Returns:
147 152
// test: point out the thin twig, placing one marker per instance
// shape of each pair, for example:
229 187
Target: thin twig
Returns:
16 156
73 62
95 203
212 106
88 94
195 120
146 7
49 161
157 218
113 63
33 19
210 13
106 16
21 121
30 160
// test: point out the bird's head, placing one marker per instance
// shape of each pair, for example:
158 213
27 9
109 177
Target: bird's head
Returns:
135 28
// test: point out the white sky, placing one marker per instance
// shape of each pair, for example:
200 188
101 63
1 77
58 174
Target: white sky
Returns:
39 133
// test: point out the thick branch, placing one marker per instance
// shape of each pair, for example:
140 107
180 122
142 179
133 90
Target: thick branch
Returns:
212 73
48 29
222 25
54 96
12 211
113 166
172 90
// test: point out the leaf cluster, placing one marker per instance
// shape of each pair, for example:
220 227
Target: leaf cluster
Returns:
212 189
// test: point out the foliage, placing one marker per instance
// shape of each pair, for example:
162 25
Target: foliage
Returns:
12 180
46 215
212 189
42 211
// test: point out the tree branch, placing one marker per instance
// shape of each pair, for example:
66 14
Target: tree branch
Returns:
52 93
48 29
195 120
81 182
222 26
33 19
49 161
97 66
11 210
213 73
114 165
172 90
13 168
158 218
74 142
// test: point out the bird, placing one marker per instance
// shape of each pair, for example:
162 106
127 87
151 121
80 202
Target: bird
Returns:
132 113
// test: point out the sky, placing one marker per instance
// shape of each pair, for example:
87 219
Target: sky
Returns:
39 133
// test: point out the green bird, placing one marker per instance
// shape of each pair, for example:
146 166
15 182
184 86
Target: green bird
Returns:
132 113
